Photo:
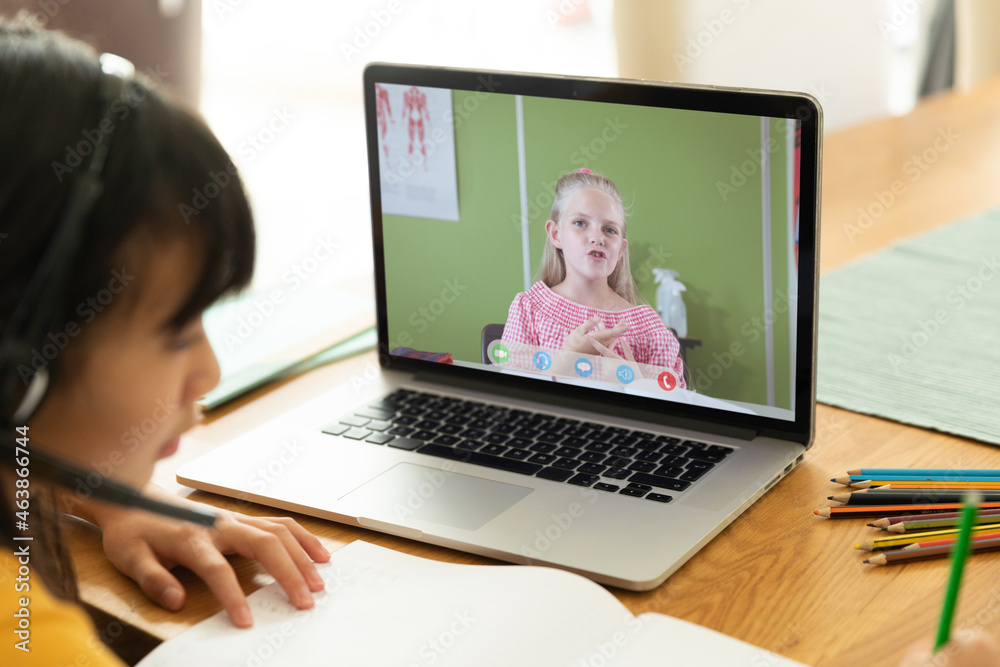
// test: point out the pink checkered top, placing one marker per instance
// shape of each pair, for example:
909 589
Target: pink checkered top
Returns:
543 318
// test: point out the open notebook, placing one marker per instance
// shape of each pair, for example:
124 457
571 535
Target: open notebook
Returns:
382 607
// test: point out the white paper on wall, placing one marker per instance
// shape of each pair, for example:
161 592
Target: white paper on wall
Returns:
416 141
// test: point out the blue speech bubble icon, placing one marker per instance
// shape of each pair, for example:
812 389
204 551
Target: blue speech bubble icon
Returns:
625 374
583 367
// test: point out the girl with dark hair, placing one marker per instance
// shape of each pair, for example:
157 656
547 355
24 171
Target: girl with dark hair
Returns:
107 262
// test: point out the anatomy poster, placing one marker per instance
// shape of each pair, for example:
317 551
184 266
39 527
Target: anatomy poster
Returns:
416 141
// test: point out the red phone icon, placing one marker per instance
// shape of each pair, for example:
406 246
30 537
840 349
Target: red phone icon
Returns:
667 381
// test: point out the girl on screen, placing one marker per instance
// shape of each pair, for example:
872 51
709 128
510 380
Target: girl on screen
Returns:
584 299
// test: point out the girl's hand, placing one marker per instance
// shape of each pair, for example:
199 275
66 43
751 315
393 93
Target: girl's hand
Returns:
966 649
581 339
145 547
608 352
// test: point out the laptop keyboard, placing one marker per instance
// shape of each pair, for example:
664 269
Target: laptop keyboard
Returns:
607 458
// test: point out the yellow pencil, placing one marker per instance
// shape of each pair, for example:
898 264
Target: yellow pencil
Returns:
922 536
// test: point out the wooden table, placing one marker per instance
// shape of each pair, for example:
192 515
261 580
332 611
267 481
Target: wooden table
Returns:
778 577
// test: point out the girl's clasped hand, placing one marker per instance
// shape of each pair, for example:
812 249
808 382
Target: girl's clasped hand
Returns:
592 337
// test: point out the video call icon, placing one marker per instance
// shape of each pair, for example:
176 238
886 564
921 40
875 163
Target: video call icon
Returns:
542 360
667 381
500 354
583 367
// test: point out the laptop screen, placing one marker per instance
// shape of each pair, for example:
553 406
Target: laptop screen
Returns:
644 242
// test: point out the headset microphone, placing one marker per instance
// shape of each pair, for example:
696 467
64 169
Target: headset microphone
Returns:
70 476
23 386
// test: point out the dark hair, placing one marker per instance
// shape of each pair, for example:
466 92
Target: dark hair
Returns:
160 160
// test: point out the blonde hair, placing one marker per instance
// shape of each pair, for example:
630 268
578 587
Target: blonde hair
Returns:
552 270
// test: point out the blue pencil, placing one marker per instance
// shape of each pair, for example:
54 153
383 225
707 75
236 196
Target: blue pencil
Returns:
880 473
911 478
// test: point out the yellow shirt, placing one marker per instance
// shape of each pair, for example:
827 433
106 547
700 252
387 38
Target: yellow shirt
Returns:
37 628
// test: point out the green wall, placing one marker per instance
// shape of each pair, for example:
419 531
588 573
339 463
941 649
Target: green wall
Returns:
668 166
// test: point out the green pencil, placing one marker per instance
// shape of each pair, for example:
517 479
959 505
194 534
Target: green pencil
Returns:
959 556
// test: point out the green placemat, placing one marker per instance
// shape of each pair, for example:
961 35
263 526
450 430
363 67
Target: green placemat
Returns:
912 333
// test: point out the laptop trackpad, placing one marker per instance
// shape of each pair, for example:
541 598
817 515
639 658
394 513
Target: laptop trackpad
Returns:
408 492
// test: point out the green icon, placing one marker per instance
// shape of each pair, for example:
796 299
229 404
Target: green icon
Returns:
500 354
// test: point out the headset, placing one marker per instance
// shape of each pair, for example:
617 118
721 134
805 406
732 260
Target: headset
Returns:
22 387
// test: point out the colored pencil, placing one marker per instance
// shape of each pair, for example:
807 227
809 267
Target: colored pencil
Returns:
888 521
861 511
938 523
903 555
886 479
906 497
976 537
896 541
965 486
959 472
960 555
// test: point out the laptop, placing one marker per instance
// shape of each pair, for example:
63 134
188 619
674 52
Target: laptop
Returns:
616 465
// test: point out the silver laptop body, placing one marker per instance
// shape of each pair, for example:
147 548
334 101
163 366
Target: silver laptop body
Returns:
724 189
